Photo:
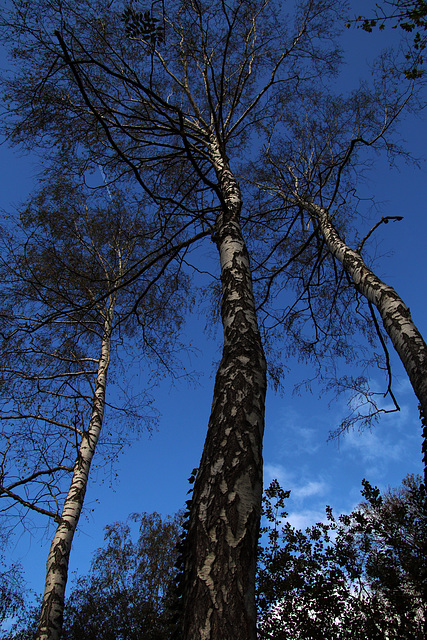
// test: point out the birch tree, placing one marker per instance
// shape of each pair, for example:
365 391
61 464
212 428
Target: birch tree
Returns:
315 170
188 102
64 309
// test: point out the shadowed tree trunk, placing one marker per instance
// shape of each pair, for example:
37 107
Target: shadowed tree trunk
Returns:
220 561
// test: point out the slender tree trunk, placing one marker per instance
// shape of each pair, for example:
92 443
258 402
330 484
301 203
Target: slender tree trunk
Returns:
221 545
51 616
396 317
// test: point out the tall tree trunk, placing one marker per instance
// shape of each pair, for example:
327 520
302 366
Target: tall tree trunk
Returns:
396 317
222 539
51 616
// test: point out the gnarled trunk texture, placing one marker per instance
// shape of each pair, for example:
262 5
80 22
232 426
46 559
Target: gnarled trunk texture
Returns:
222 539
396 317
51 616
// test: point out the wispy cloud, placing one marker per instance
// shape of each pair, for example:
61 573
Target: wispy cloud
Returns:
293 434
394 442
372 446
319 472
300 488
279 473
312 488
306 518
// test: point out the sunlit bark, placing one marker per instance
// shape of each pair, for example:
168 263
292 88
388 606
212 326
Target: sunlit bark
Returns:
396 317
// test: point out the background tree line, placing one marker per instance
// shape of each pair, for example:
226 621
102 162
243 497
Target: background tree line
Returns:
355 576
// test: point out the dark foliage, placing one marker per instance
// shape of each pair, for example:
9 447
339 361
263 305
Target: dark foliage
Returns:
358 576
142 24
125 596
411 17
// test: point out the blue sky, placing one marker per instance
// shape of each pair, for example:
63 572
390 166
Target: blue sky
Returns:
152 474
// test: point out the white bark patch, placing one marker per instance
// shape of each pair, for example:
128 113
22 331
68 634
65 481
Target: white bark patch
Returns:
228 183
217 466
226 434
205 575
229 248
205 632
222 536
245 491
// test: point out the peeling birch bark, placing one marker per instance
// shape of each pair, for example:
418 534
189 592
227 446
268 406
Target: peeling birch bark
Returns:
222 539
396 317
51 616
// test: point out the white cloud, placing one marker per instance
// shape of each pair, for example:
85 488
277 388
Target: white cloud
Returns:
372 445
319 473
312 488
292 435
300 489
306 518
277 472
